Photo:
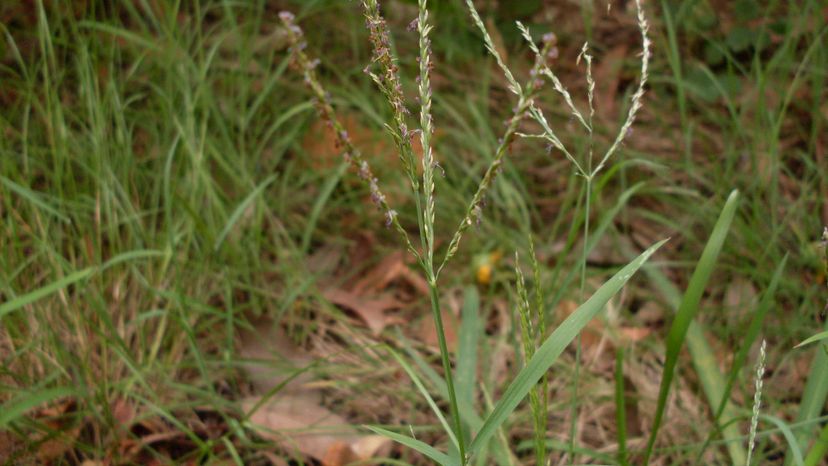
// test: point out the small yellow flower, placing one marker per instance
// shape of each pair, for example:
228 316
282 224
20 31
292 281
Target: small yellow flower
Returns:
484 265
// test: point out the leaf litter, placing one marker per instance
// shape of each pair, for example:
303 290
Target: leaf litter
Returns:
286 408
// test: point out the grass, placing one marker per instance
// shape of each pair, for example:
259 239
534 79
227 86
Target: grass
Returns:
158 196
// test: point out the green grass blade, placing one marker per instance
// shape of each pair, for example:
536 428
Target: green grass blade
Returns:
713 384
319 205
33 197
470 330
32 296
819 449
17 407
554 345
131 256
731 431
621 407
419 384
813 400
818 337
237 213
795 451
414 444
74 277
687 310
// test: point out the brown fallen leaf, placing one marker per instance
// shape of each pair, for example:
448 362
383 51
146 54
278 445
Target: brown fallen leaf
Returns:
272 357
299 424
370 310
392 268
294 419
634 334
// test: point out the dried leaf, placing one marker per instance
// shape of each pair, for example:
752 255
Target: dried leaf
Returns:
634 334
370 310
392 268
56 447
272 357
297 423
123 413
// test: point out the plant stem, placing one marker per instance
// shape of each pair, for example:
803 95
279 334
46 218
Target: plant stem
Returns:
444 355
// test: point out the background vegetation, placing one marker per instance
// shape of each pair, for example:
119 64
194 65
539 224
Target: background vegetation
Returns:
178 227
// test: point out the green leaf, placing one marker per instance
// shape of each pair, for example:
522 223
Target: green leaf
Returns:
17 407
57 285
470 330
621 407
688 309
819 449
795 451
711 379
422 447
237 213
414 378
740 38
552 348
813 400
32 296
819 336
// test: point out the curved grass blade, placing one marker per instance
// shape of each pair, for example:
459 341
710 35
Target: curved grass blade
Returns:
813 338
237 213
74 277
414 378
17 407
552 348
471 328
711 387
794 451
813 400
687 311
819 449
621 407
414 444
32 296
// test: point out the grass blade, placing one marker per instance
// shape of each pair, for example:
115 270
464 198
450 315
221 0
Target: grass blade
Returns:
552 348
713 384
621 407
711 389
17 407
819 336
687 311
819 449
34 198
414 444
414 378
813 400
74 277
467 342
32 296
237 213
793 443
